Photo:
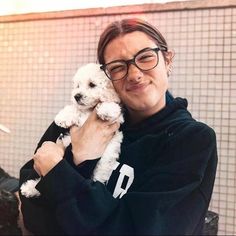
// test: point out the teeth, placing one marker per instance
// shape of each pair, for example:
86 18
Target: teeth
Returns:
4 129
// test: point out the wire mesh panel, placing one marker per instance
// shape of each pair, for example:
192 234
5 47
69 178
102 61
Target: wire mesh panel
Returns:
39 57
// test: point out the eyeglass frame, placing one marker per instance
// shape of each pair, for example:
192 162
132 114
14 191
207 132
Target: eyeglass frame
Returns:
132 61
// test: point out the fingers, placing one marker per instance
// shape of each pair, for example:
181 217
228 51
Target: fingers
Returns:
110 130
36 169
93 127
50 147
58 142
46 143
93 116
74 133
114 127
46 157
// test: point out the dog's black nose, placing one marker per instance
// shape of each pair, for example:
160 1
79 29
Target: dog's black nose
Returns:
77 97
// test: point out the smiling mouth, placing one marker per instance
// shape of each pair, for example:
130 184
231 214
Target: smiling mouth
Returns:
137 87
80 103
86 105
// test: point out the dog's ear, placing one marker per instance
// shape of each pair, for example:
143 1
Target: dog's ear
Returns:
109 94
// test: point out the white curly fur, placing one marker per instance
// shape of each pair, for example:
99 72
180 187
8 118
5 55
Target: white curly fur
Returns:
92 89
28 188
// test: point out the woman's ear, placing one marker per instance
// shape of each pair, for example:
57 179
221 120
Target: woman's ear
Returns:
169 55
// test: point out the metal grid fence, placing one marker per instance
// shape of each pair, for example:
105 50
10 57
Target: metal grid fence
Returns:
39 57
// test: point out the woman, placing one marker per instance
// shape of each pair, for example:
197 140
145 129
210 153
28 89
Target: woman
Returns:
163 180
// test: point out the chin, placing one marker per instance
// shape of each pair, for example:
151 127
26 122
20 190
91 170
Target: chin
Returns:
153 105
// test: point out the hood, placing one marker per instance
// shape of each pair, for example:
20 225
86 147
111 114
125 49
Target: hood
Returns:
173 113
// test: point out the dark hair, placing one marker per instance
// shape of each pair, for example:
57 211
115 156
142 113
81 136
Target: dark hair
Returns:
125 26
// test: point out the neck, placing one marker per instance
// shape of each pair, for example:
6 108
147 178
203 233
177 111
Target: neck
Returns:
136 116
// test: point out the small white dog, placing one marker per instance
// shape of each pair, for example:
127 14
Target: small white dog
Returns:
91 89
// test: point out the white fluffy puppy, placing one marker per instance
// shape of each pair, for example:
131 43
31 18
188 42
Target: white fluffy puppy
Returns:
91 89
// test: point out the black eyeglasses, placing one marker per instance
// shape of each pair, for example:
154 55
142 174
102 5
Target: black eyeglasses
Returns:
144 60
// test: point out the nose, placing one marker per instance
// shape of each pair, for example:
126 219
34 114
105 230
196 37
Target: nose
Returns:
134 73
77 97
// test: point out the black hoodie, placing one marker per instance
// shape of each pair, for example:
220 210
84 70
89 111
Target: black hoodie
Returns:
161 185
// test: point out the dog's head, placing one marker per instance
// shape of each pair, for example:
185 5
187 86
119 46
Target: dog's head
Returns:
91 86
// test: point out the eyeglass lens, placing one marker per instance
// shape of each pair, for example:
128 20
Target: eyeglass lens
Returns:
145 60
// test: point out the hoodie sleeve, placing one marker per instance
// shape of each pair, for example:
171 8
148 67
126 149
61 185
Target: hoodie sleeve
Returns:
171 198
38 214
36 211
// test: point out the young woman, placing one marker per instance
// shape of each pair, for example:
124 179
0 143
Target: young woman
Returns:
163 180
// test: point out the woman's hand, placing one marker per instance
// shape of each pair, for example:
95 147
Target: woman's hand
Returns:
90 141
47 156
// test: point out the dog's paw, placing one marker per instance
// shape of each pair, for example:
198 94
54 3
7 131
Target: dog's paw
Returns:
108 111
28 188
66 117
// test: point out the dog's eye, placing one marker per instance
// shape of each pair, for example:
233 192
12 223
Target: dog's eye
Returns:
92 85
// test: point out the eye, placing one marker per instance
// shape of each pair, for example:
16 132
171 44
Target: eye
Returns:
92 85
116 67
146 56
